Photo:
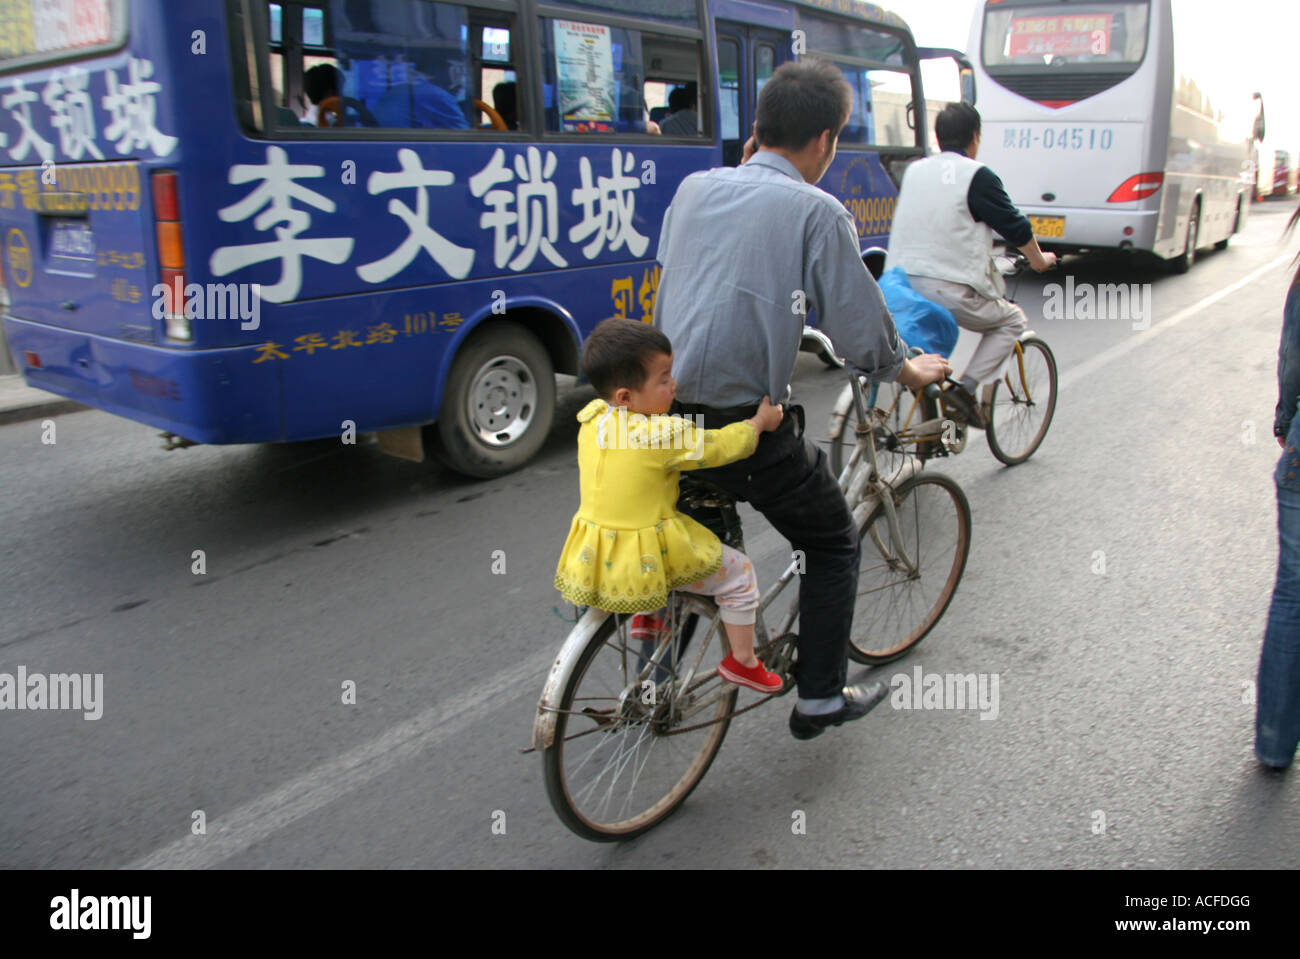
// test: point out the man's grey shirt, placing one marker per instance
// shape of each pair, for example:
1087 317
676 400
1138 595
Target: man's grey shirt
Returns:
743 250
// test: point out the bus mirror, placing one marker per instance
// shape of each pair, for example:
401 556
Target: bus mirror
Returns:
968 86
911 115
1259 127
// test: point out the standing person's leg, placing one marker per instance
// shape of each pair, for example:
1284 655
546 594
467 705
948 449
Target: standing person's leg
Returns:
789 481
1277 713
1001 322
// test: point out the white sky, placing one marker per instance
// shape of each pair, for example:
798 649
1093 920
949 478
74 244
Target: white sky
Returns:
1255 40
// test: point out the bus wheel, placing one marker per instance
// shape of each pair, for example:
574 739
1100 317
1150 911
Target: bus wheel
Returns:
498 404
1181 264
1236 225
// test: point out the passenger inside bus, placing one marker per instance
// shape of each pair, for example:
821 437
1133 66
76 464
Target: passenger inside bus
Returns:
682 120
504 99
325 82
420 99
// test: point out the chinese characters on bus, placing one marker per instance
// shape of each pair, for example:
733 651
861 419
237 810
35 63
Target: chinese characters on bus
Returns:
1060 36
69 113
524 221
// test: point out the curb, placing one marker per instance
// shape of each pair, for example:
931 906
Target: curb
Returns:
36 411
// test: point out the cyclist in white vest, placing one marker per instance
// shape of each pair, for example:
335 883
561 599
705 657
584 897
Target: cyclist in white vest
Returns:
949 207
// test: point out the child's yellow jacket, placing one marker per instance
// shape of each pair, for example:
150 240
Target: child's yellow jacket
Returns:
628 546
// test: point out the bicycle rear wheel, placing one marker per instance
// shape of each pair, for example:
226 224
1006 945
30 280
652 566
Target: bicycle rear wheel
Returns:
632 741
1022 406
895 607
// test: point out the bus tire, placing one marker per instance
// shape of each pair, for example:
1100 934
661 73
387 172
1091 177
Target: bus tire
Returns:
1181 264
498 403
1236 225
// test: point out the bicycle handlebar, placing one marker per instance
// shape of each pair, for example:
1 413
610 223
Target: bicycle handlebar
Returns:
1016 264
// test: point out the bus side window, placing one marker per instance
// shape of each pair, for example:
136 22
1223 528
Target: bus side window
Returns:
498 83
598 78
729 105
420 65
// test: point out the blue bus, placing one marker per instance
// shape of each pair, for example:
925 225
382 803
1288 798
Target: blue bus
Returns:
244 221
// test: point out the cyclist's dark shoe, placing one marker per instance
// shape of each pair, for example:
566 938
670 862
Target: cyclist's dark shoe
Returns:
963 401
858 701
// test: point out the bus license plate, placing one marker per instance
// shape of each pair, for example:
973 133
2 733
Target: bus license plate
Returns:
1048 226
73 239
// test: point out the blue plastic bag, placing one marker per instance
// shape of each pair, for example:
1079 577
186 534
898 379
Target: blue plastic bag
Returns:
920 322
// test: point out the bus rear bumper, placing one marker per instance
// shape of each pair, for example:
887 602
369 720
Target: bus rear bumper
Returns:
1099 229
209 396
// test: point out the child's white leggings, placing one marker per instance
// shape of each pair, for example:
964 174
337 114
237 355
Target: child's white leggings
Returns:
734 586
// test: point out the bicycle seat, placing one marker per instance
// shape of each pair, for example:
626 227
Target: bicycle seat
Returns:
699 493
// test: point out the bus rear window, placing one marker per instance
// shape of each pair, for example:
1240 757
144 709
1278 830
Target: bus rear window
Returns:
43 31
1090 33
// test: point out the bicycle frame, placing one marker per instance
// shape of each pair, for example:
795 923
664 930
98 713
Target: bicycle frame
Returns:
863 488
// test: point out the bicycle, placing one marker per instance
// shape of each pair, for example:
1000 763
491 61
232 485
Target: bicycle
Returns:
628 728
1019 406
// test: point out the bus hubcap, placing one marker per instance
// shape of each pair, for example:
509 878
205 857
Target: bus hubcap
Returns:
502 400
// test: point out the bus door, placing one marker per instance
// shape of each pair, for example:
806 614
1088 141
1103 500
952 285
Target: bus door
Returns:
748 55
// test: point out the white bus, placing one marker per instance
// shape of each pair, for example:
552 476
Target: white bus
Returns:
1107 132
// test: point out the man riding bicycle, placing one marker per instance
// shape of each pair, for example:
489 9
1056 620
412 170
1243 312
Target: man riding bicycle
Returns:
743 249
949 207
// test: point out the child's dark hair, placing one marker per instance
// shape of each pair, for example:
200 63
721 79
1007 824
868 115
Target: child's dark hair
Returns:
616 352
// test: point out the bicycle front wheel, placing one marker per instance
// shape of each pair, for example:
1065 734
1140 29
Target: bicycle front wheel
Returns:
635 733
890 454
904 586
1023 403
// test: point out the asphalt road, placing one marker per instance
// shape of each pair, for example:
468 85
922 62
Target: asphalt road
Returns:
1117 586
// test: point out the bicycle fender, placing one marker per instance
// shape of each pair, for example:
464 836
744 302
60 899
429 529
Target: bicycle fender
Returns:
906 470
840 412
565 662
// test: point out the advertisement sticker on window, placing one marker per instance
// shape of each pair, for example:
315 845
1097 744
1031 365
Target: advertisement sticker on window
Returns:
584 63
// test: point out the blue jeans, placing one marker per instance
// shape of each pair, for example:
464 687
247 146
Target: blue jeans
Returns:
1277 714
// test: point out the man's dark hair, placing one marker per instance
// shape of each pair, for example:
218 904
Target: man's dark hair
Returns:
956 125
321 81
616 354
504 99
801 100
682 98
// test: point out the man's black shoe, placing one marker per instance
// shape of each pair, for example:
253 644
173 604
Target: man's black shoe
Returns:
858 701
963 400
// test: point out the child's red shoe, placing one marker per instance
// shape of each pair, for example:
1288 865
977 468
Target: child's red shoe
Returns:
758 678
648 627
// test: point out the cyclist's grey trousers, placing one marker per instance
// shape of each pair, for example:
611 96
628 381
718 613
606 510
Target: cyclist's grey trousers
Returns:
789 481
1001 322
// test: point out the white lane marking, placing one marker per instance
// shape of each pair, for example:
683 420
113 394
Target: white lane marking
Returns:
1113 353
237 830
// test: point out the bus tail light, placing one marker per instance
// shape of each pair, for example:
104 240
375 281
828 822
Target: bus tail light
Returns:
1137 187
171 253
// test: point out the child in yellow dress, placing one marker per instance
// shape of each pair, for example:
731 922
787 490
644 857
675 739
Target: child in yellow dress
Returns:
628 546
